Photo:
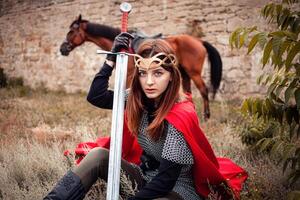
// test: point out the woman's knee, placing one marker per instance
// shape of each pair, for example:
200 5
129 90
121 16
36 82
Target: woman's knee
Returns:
92 167
99 154
96 158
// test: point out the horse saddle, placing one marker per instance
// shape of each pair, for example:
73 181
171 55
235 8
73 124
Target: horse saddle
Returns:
139 37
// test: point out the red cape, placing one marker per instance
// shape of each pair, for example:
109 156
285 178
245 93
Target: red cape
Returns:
207 168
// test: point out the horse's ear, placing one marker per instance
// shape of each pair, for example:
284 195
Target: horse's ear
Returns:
79 18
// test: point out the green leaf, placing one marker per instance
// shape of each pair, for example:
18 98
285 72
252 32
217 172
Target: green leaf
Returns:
291 35
284 81
237 38
276 98
242 38
295 27
270 107
257 107
278 90
286 19
254 106
259 79
279 34
267 52
262 39
245 107
253 42
292 53
276 79
278 9
271 88
254 28
267 10
276 147
265 144
269 77
282 17
233 39
288 94
276 43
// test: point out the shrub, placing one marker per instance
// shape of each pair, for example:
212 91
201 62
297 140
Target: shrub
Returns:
275 126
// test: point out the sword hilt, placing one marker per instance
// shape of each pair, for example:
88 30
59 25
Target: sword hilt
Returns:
125 9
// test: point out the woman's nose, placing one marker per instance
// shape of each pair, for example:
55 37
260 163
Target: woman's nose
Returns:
149 79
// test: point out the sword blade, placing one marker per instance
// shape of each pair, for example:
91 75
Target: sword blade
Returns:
113 182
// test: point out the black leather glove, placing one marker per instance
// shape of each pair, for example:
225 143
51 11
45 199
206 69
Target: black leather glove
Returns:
148 162
121 42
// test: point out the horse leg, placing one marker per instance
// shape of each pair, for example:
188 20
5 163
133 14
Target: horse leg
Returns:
193 68
186 81
204 93
191 55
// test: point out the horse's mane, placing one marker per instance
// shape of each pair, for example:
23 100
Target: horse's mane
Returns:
102 30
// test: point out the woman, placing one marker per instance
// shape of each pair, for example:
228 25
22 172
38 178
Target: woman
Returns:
177 161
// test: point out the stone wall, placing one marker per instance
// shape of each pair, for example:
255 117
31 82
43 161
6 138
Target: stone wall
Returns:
31 32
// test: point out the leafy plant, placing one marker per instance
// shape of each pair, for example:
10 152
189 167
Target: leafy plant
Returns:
276 116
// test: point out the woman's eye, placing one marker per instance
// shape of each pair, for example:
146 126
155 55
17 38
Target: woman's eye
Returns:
157 74
142 73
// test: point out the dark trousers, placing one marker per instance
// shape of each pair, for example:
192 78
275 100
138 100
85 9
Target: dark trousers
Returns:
95 165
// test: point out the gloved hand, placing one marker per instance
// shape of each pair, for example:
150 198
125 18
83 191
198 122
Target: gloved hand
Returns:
121 42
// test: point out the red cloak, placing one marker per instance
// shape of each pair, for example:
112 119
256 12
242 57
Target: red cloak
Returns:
207 168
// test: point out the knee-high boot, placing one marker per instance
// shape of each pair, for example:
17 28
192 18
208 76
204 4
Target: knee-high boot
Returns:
68 188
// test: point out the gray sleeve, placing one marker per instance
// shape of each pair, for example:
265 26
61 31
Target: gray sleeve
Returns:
175 147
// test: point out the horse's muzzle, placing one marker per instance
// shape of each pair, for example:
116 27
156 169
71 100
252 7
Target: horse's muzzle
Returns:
65 49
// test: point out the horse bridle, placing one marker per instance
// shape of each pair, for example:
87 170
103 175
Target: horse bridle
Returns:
71 45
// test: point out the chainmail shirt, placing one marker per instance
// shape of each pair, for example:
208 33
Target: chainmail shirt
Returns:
173 147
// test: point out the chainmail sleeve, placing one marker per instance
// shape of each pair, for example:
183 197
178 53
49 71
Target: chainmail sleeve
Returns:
127 91
175 147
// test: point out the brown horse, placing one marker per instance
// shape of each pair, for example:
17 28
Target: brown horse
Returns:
190 51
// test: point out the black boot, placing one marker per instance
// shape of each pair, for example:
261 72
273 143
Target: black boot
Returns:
68 188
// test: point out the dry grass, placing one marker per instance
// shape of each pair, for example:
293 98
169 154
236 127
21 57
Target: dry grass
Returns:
37 126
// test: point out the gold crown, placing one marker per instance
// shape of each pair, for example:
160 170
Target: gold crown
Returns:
160 59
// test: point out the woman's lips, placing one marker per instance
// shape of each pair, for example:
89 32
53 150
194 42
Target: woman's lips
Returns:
150 90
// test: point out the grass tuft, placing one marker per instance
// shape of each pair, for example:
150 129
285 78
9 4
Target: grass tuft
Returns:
36 126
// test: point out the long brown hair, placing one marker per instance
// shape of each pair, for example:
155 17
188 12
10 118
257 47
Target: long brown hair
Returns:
137 100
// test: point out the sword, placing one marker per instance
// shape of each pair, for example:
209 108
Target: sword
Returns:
115 152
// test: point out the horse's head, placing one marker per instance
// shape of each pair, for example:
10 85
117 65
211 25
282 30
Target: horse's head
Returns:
75 37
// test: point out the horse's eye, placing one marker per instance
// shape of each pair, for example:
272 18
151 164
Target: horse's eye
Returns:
70 33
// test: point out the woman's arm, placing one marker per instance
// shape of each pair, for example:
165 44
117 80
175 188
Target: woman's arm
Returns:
99 95
162 183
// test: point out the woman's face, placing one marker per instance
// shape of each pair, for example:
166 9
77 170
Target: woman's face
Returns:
154 81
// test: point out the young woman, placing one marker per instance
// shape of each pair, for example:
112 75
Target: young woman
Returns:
177 161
